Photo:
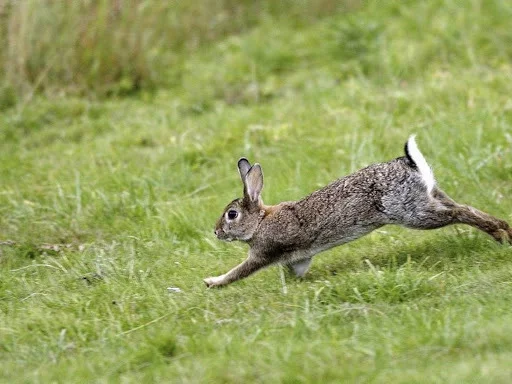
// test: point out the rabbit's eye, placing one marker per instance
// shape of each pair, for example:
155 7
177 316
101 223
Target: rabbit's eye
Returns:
232 214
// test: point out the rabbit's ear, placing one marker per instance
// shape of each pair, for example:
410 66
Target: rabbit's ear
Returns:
243 168
253 183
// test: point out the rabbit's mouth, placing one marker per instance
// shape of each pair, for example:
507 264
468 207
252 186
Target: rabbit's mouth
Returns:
221 235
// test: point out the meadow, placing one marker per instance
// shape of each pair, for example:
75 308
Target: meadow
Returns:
112 178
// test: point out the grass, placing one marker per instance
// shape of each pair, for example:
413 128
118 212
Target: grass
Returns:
119 47
111 201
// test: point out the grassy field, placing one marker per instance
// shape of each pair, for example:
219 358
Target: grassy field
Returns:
107 202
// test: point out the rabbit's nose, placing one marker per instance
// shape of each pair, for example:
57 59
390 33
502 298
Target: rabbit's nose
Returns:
217 232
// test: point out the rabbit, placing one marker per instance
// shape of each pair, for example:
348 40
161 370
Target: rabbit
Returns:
402 191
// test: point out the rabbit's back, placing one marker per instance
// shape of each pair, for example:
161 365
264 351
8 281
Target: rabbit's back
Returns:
378 191
346 209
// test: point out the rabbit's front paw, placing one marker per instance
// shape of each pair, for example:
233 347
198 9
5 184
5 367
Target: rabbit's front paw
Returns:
214 281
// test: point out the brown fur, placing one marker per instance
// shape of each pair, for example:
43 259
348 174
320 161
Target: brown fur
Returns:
291 233
270 209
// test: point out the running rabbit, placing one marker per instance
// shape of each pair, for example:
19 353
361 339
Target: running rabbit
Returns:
402 191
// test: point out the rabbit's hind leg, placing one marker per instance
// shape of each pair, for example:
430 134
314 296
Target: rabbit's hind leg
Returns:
465 214
442 211
299 268
498 229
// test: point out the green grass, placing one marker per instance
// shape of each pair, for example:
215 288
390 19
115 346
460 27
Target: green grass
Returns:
110 202
119 47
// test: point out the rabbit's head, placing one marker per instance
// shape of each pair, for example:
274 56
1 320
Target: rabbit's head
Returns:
242 216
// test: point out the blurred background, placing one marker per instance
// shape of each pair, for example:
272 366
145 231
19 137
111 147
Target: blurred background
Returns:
112 47
118 47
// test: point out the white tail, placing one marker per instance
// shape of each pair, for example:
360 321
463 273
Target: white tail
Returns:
417 157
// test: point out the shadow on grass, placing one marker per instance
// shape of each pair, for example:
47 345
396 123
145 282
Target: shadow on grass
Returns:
391 273
434 254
